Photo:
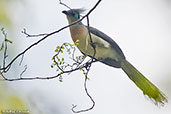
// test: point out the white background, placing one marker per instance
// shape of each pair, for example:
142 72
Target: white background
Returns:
142 28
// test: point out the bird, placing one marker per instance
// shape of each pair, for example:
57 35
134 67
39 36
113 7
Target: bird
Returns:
94 43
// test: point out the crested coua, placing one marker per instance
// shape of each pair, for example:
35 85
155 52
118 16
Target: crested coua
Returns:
108 52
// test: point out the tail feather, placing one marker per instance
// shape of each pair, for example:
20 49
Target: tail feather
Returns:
143 83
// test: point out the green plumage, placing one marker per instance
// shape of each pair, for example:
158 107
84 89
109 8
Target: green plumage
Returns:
143 83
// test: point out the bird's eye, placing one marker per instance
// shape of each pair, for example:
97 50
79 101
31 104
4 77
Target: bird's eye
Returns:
76 15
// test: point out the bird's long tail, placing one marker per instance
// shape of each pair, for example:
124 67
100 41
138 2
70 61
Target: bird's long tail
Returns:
143 83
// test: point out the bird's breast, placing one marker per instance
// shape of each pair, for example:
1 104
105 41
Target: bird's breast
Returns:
103 48
78 32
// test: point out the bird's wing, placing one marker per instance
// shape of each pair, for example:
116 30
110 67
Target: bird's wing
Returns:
108 39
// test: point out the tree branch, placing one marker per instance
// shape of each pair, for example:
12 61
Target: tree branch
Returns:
29 35
80 64
6 68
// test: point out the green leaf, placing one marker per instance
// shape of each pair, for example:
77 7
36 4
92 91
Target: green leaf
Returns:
62 47
2 29
56 50
60 77
2 47
72 45
76 42
51 66
80 68
9 41
61 51
58 47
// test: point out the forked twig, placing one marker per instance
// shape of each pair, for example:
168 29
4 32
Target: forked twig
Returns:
87 65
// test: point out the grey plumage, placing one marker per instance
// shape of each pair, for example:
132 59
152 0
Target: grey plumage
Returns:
108 52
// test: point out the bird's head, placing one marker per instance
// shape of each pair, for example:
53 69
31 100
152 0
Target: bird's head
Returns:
73 14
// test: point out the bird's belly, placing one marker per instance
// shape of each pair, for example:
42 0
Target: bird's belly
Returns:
102 49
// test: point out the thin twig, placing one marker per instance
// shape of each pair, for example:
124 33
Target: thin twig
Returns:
29 35
88 69
87 65
42 78
5 53
87 93
22 57
5 69
91 40
5 50
60 2
23 71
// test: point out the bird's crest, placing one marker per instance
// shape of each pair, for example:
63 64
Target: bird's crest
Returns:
78 11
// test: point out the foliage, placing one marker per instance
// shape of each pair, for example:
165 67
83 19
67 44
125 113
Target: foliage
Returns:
78 62
4 17
60 61
9 101
5 41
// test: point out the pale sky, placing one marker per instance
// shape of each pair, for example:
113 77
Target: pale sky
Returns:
140 27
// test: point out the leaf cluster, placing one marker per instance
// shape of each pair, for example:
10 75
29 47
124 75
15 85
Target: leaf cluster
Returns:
5 39
62 63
